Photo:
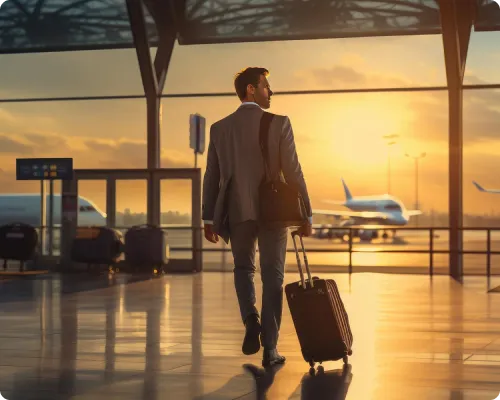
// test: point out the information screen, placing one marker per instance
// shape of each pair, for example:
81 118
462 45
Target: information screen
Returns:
44 168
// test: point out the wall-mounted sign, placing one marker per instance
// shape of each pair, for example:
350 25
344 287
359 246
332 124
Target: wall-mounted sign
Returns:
35 169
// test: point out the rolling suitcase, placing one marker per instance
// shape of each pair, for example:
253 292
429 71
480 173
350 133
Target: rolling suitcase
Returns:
97 245
319 316
17 242
146 247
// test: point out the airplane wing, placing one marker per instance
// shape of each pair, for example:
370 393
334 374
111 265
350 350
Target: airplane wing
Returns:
335 202
352 214
481 189
413 213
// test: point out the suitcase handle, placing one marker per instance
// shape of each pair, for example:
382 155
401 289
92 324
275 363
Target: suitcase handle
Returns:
142 226
311 282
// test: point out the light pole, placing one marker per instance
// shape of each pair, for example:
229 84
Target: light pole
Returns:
416 160
389 144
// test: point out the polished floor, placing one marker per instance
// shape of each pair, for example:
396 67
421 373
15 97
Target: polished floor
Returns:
179 337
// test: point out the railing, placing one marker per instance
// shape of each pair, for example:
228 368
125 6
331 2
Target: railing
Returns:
350 239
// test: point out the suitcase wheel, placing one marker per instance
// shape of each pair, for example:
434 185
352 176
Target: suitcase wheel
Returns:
321 370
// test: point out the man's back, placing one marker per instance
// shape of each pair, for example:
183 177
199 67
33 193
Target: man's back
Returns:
236 142
236 139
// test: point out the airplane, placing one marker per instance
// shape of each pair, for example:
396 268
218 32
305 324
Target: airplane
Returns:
481 189
383 210
25 208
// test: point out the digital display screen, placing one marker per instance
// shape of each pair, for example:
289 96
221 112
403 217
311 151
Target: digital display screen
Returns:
44 168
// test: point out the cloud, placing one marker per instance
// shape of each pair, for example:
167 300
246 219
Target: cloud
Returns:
125 153
86 152
14 146
346 76
338 74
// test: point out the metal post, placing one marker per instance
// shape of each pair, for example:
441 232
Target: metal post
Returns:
51 217
69 218
455 183
431 252
111 202
153 79
43 216
456 23
416 160
389 144
350 251
488 253
416 183
196 222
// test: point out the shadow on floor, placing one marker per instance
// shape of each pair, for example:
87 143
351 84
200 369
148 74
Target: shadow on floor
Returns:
328 385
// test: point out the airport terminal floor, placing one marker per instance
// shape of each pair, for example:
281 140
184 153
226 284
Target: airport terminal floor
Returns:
80 336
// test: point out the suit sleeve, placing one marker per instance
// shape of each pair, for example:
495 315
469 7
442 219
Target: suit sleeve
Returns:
290 165
210 182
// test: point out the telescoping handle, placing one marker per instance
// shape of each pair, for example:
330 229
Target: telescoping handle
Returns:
311 282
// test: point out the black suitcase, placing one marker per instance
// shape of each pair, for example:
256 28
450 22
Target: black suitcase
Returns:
319 316
18 242
146 247
97 245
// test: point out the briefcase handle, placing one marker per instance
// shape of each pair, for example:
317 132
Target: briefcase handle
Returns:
311 281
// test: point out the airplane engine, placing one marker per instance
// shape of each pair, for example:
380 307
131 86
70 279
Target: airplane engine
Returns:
368 234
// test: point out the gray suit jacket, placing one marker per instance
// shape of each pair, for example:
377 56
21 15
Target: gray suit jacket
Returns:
235 167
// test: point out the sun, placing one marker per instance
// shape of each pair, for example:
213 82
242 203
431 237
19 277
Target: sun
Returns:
358 130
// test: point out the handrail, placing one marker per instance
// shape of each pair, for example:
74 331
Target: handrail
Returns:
351 248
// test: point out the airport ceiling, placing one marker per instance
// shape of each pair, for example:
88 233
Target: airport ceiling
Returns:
28 26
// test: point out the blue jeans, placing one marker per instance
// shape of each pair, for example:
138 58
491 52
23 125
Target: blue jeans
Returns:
272 250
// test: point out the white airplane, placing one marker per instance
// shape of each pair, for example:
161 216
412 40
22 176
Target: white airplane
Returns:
481 189
25 208
383 210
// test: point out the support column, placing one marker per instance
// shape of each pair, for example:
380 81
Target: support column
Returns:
455 141
456 21
69 221
153 79
196 222
111 202
154 159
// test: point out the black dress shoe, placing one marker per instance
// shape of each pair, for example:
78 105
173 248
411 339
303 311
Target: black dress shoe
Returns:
272 357
251 343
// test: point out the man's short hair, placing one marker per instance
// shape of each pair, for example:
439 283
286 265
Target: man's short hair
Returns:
249 76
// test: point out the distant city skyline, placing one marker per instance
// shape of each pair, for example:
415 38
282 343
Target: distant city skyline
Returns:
338 135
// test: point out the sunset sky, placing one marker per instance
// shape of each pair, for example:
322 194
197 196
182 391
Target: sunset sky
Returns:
338 135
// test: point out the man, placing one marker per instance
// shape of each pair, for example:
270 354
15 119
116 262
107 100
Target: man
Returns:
235 170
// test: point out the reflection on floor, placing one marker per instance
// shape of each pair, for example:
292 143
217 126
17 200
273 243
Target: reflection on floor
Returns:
179 337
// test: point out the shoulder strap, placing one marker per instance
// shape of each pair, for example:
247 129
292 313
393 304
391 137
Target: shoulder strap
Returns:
265 123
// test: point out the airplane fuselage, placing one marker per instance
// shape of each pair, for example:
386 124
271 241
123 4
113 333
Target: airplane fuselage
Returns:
392 209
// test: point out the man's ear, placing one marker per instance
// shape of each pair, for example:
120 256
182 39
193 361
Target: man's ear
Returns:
250 89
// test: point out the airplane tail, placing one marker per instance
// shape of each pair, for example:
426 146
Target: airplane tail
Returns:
348 195
479 187
482 189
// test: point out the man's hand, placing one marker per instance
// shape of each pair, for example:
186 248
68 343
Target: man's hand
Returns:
306 229
210 235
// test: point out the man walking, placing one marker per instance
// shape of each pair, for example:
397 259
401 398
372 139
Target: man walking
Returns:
235 170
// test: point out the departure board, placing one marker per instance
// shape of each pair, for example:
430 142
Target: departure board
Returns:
35 169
